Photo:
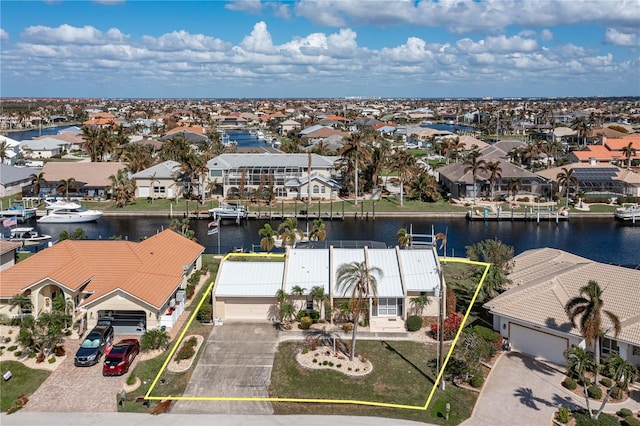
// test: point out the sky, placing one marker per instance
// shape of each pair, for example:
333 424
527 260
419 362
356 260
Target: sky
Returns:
319 48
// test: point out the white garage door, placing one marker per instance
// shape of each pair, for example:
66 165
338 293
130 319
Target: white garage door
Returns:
242 309
538 344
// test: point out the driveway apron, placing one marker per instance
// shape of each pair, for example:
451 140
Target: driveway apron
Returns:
236 362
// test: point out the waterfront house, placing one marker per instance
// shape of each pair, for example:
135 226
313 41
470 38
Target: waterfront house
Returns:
14 179
287 173
246 290
46 147
159 181
11 151
131 282
607 179
92 178
531 314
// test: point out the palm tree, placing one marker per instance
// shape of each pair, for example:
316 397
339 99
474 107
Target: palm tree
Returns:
629 151
267 242
404 238
566 179
424 187
22 302
403 163
474 164
38 181
4 151
360 283
621 372
419 303
355 153
581 126
122 188
318 296
64 185
579 362
588 308
513 187
495 173
319 231
289 231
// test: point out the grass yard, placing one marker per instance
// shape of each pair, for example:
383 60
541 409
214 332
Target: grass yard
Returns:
24 381
400 376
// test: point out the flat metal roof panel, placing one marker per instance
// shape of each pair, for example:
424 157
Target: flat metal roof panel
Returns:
307 268
248 279
420 270
389 283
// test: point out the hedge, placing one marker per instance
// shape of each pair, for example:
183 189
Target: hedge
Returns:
414 323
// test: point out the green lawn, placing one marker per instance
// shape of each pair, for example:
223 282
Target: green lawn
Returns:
24 381
400 376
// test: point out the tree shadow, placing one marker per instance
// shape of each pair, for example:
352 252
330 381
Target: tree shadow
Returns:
424 374
566 401
528 399
552 324
534 365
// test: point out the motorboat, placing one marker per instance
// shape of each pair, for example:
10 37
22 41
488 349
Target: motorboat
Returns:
260 134
28 236
229 211
68 212
300 238
18 210
628 212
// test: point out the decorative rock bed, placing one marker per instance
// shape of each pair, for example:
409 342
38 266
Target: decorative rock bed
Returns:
324 358
185 364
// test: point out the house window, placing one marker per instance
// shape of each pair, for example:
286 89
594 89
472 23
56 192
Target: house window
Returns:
316 189
310 304
215 173
388 307
608 346
323 189
158 189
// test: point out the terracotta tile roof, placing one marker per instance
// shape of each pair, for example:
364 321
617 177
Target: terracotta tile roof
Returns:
7 246
194 129
598 152
545 279
618 144
150 270
87 173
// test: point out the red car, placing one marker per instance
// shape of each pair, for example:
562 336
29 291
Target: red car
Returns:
118 360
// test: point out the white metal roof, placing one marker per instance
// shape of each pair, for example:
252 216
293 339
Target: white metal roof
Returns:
420 270
307 268
250 279
389 282
342 256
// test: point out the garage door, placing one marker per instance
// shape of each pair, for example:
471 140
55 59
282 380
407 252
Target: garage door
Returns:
538 344
242 309
126 322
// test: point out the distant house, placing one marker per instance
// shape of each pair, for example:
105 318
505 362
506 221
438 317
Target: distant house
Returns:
46 147
287 126
159 181
131 282
14 179
92 178
8 253
610 151
604 178
12 150
286 172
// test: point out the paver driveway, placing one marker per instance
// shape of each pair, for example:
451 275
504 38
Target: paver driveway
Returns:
79 389
521 390
236 362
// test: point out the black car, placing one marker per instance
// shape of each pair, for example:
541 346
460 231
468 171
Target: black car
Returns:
93 346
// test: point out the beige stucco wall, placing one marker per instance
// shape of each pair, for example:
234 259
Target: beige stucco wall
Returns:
239 308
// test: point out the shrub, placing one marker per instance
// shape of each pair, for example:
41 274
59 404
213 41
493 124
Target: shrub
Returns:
193 341
476 381
339 365
12 348
631 421
451 325
305 323
594 392
7 339
606 383
154 339
51 360
205 313
486 333
569 383
315 315
625 412
583 419
301 314
305 351
414 323
563 415
347 326
31 355
585 382
18 353
330 364
131 379
325 362
185 352
617 392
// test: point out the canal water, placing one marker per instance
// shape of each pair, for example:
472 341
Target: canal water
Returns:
601 239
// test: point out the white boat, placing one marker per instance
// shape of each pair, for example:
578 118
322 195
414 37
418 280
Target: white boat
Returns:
229 211
277 240
630 212
68 212
19 211
28 236
260 134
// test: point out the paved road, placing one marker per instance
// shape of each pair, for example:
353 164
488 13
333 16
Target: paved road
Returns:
236 362
77 389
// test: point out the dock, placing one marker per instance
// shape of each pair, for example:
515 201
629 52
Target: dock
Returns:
532 215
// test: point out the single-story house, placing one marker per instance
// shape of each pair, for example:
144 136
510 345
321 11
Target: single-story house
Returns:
46 147
247 290
11 151
603 178
14 179
159 181
8 253
132 282
92 178
531 313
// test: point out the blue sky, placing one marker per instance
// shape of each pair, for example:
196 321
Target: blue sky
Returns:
320 48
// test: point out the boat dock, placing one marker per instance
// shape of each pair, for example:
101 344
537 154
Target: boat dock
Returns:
546 215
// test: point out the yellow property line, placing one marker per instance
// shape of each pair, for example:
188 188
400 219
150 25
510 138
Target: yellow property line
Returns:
314 400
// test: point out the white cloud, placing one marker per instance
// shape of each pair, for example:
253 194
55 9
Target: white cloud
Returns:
64 34
282 11
4 36
497 44
546 35
249 6
259 40
181 40
617 38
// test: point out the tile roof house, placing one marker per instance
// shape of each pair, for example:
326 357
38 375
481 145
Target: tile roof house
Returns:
531 314
8 253
610 151
46 147
606 178
92 178
159 181
14 179
129 281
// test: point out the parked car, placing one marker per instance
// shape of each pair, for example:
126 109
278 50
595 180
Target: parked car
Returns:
120 357
93 346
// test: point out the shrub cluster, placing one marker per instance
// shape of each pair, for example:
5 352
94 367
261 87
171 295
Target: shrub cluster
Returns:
594 392
451 325
569 383
414 323
185 352
606 382
563 415
305 323
625 412
631 421
476 381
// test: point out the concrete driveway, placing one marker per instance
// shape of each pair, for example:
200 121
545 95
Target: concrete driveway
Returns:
236 362
522 390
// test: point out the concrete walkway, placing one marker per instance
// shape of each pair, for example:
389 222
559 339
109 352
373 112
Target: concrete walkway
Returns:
520 387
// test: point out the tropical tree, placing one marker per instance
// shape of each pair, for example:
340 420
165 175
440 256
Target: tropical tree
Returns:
474 164
404 238
284 308
65 185
622 373
182 227
37 182
581 126
318 296
138 157
78 234
22 302
268 234
91 136
566 179
419 303
629 151
495 173
424 187
360 283
579 362
63 306
403 163
4 151
319 231
122 189
289 232
353 156
588 309
157 338
513 187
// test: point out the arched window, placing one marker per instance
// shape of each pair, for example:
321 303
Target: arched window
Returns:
316 189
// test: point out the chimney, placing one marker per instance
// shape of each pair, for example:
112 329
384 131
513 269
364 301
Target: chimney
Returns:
604 140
